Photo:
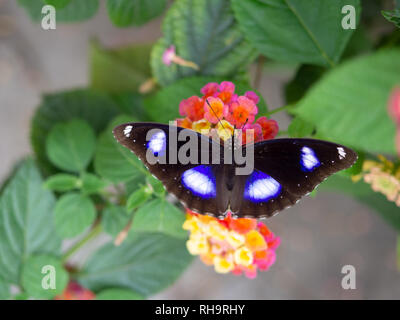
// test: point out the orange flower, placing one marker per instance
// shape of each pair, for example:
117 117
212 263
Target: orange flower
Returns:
184 123
241 111
217 110
242 225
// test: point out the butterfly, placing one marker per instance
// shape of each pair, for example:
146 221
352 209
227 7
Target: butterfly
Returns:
284 169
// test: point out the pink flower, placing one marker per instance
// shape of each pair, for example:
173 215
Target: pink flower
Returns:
226 91
217 111
242 110
192 107
209 89
168 55
269 128
252 96
394 105
251 136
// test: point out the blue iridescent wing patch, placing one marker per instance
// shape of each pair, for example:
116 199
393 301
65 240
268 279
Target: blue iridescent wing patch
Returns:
308 159
261 187
200 180
158 143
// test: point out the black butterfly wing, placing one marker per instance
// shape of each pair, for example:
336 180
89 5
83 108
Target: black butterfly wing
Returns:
284 171
198 186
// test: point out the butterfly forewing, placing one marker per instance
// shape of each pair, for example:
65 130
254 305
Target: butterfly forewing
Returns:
199 185
284 171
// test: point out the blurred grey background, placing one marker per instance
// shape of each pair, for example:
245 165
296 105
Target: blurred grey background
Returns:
318 236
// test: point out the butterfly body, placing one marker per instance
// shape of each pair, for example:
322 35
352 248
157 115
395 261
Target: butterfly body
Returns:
283 171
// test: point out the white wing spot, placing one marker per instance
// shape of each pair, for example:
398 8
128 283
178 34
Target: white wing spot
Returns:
342 153
127 131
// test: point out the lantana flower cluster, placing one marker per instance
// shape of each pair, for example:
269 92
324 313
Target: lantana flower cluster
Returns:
221 110
240 246
383 176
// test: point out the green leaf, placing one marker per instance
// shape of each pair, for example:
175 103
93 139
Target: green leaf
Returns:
58 4
92 183
70 145
159 216
37 273
118 294
74 213
119 70
349 105
113 161
204 32
114 219
363 193
26 221
146 264
303 31
62 182
156 185
94 107
4 290
130 103
124 13
73 11
138 198
164 105
299 128
393 16
21 296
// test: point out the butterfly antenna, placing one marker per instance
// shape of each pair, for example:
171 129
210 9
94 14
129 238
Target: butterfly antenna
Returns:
244 124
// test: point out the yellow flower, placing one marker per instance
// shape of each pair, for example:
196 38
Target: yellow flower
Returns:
197 245
216 230
243 256
203 126
255 241
235 239
225 130
223 264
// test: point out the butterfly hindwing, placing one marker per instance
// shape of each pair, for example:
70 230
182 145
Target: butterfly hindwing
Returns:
284 171
198 186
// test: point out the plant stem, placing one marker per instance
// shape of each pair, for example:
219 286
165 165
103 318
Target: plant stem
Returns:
96 230
288 106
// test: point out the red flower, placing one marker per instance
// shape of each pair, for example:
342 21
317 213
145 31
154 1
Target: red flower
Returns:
192 107
269 128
